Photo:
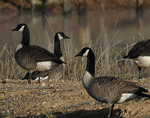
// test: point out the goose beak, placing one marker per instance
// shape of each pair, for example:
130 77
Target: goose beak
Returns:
64 62
67 37
15 29
78 55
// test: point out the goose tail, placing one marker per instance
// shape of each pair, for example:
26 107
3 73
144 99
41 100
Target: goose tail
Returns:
142 92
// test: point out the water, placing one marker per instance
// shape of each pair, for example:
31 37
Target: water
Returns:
109 27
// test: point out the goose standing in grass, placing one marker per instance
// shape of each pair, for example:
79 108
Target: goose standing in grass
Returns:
140 54
56 72
109 90
33 57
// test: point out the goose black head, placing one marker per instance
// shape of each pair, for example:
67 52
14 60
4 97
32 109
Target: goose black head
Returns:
61 36
20 27
84 52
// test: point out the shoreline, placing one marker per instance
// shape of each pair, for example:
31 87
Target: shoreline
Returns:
13 6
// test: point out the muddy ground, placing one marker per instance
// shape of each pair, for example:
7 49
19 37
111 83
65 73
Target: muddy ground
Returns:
62 99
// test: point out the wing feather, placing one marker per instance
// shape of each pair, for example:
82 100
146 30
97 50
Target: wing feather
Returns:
111 88
142 48
39 54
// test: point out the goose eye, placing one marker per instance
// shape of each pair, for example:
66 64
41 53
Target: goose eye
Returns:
21 28
60 37
85 53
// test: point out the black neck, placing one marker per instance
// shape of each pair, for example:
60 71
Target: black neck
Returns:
25 37
57 49
91 63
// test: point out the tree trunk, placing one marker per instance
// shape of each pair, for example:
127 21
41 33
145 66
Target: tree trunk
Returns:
139 4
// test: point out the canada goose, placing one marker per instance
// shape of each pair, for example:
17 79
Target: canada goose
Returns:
140 54
33 57
54 72
109 90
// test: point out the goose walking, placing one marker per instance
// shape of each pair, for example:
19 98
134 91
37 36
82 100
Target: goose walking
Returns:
140 54
109 90
33 57
56 72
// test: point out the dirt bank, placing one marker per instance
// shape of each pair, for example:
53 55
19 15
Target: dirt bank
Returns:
62 99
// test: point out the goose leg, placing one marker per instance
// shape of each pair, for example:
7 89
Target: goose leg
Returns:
139 72
39 78
111 106
29 80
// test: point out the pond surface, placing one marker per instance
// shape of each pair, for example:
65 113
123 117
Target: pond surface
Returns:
120 27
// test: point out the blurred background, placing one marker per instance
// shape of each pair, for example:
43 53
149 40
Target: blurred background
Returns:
110 27
122 21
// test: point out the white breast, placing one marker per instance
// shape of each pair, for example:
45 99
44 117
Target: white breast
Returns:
42 66
127 96
87 77
142 61
18 47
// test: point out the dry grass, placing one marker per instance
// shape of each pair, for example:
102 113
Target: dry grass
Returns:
8 67
109 62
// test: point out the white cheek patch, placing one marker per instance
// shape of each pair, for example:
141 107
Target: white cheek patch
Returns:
60 37
21 29
18 47
86 53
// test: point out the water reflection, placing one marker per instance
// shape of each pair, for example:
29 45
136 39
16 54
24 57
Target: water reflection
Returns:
140 20
82 26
